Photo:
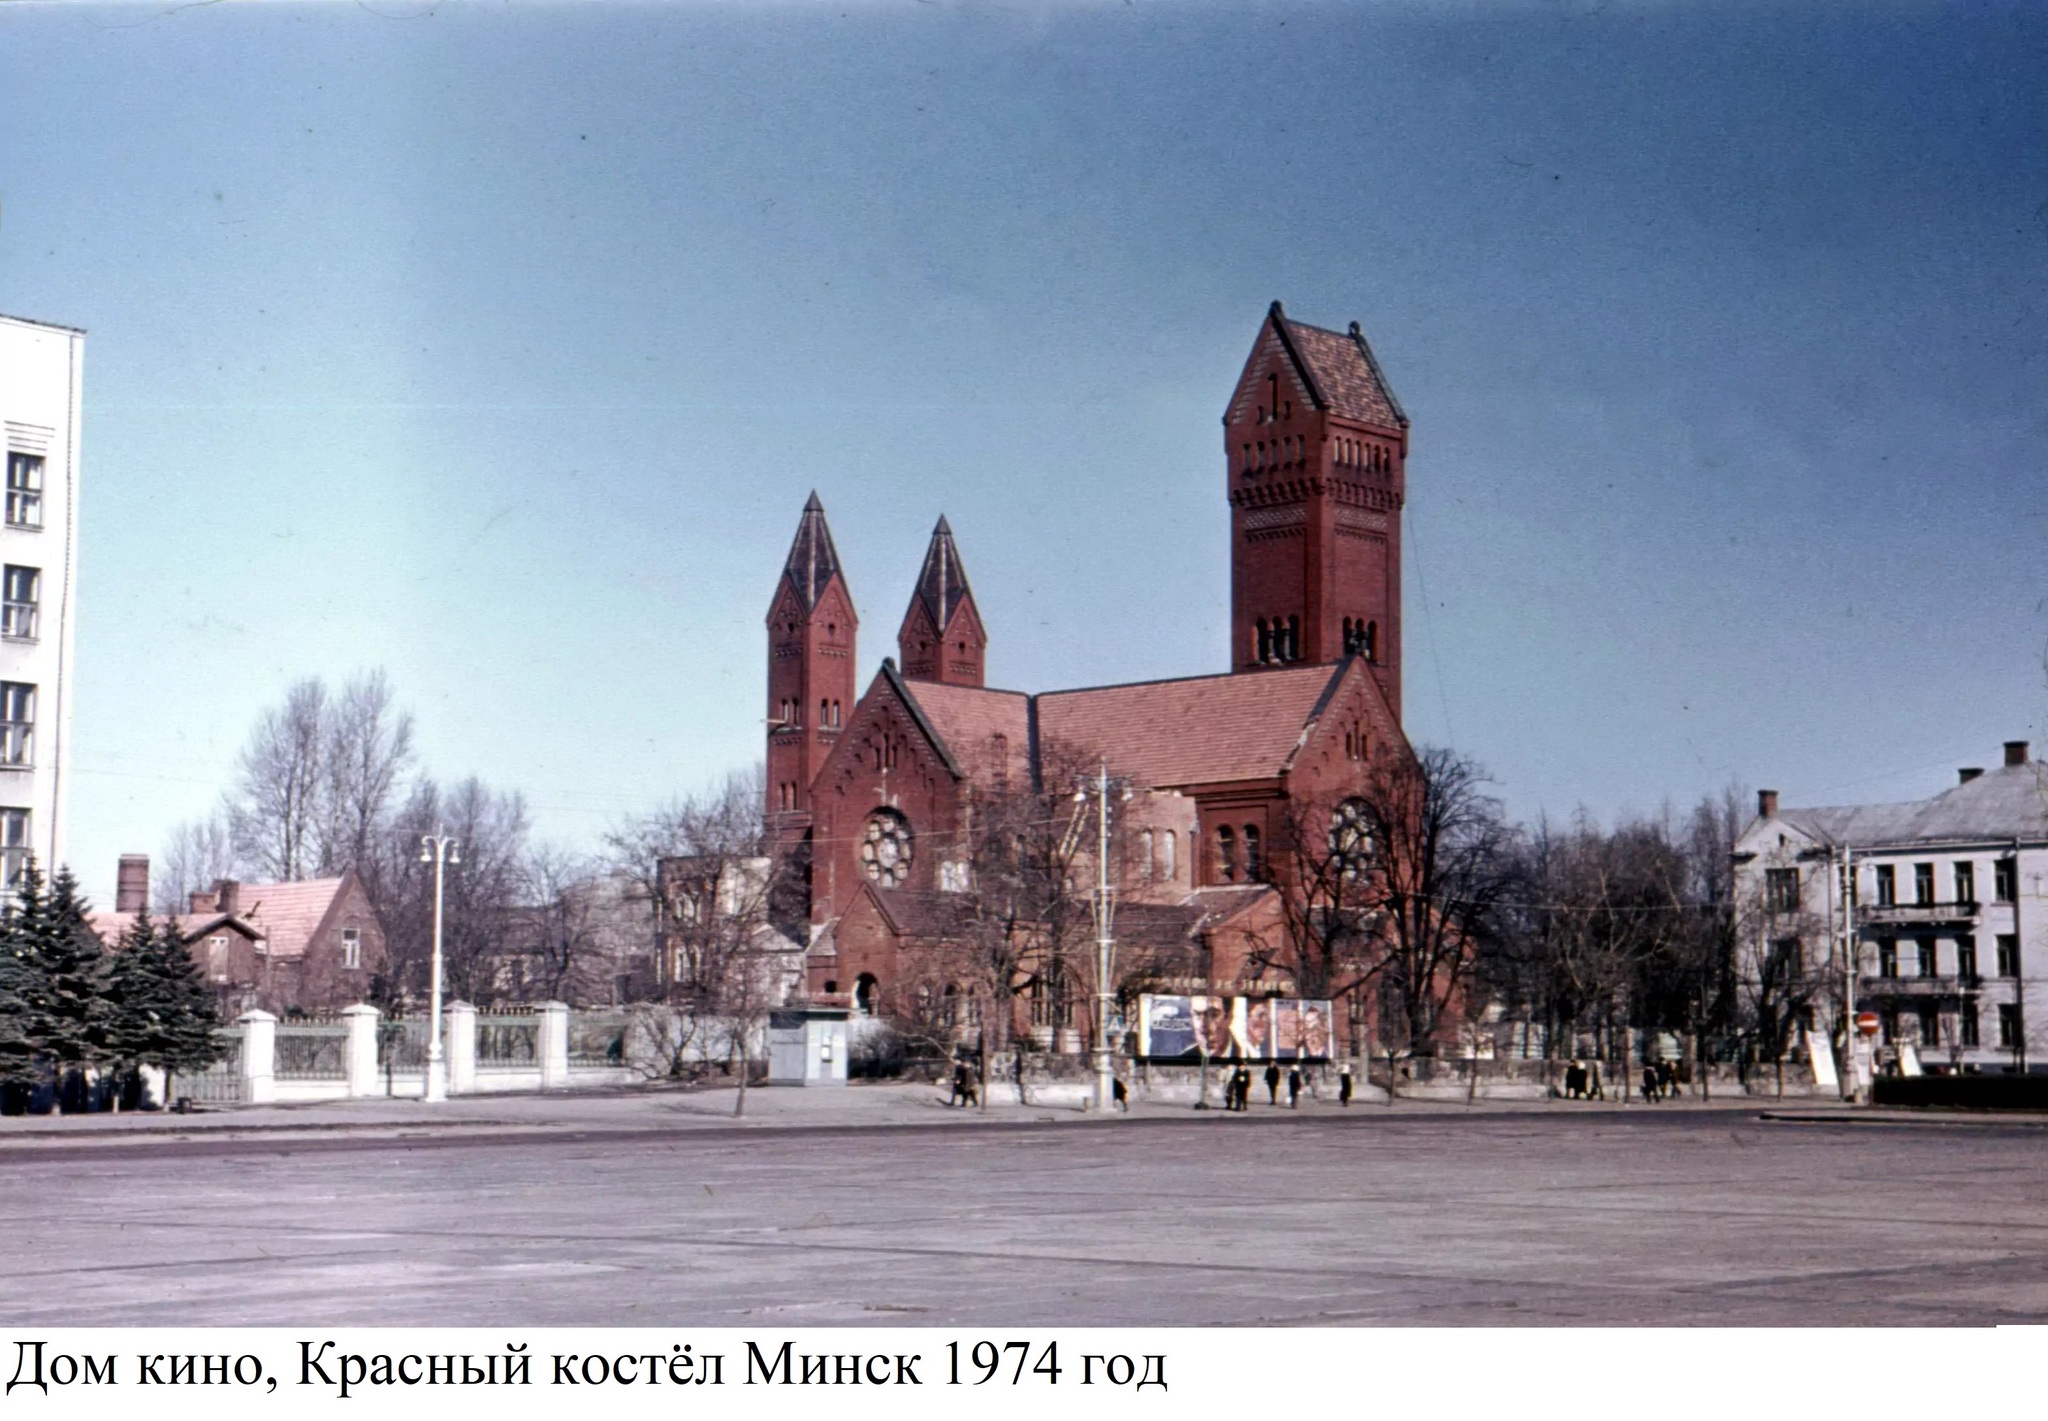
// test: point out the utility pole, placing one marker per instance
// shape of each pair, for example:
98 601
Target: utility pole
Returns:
1850 1058
440 850
1105 943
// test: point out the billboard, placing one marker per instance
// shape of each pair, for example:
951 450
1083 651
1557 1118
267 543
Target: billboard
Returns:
1190 1029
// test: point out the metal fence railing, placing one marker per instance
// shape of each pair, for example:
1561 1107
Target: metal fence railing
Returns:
597 1038
221 1083
311 1050
504 1040
402 1045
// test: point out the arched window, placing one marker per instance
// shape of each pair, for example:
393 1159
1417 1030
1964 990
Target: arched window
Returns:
1252 865
1145 853
867 993
1293 639
824 713
1372 641
1264 644
1226 854
1168 868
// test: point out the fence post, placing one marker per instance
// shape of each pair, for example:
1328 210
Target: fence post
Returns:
362 1050
554 1044
458 1028
259 1056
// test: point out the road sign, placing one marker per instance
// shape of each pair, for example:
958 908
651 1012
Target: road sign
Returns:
1866 1022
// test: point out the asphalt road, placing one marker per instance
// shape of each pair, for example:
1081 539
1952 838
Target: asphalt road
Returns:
1653 1216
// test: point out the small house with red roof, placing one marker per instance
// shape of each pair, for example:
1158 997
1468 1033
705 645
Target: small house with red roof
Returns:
309 947
876 796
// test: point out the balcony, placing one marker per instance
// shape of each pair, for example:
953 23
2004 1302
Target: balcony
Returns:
1914 914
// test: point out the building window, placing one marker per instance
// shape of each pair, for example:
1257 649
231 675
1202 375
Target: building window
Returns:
1930 1025
1888 1021
1169 865
2008 954
1923 883
1966 958
2005 880
1351 839
1930 960
352 949
885 848
23 587
1967 1028
1251 852
1226 854
952 876
14 849
17 723
217 958
2010 1030
1887 957
1887 885
24 490
1787 964
1781 890
1146 850
1966 882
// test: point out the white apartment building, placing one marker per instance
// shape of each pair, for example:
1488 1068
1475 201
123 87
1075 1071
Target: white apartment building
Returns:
1944 904
40 372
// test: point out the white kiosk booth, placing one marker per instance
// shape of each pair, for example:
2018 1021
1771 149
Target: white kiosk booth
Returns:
807 1046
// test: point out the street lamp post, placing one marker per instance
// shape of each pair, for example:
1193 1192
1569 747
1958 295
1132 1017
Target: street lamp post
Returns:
440 850
1105 942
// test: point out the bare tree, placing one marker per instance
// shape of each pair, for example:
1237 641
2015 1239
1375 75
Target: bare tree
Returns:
484 892
368 749
197 855
276 808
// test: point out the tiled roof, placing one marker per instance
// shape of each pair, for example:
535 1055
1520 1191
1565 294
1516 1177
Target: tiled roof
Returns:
813 561
1201 730
2004 803
969 718
1345 373
285 915
942 584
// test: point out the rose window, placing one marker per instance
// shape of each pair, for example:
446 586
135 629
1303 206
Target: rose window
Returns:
1351 837
885 848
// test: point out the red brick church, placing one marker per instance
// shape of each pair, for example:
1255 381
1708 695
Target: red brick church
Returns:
877 794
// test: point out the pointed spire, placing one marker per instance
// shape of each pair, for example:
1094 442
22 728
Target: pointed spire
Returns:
942 585
813 561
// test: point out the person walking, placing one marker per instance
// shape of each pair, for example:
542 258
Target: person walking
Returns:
1119 1097
1344 1084
1294 1087
961 1087
1273 1083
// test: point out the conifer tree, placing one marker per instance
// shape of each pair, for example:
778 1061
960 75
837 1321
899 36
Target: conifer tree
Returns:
23 990
70 1024
163 1014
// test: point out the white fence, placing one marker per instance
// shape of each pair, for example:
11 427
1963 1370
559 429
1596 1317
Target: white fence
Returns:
357 1053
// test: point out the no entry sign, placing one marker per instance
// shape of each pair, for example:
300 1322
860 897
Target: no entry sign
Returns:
1866 1022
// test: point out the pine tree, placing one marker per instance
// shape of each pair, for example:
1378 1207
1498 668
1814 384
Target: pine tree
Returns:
71 1024
20 984
23 990
163 1015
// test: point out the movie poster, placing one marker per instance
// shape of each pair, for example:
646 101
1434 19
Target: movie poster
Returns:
1257 1036
1166 1028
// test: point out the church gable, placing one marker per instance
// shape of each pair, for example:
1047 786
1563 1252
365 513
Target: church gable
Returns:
1352 729
1272 373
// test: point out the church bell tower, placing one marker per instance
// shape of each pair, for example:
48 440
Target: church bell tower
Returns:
811 639
1316 447
942 638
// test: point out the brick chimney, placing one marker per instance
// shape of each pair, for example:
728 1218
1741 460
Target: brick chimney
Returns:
2015 752
1767 803
131 884
201 901
227 896
1968 773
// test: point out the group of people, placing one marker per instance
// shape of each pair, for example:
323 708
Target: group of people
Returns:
1582 1081
965 1091
1237 1090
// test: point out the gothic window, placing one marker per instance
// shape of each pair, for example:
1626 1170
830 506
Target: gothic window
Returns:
1226 854
1265 641
1252 864
1372 642
866 993
1168 868
885 848
824 713
1351 838
1145 853
1293 639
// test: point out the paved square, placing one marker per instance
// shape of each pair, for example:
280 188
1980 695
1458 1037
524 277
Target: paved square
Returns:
1545 1214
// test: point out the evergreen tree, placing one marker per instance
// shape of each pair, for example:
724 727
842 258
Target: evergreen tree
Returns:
21 986
70 1025
162 1013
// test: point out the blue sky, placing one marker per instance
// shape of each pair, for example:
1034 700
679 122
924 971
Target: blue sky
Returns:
499 346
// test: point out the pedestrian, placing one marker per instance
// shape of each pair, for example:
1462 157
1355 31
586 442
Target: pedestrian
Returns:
1119 1097
1240 1088
1344 1084
1574 1081
1667 1080
1294 1087
1273 1083
1650 1092
958 1095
